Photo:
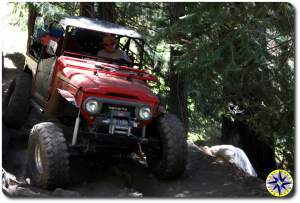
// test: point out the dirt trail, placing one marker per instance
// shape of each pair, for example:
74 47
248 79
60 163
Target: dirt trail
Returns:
124 176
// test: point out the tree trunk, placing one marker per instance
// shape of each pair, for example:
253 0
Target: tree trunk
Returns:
87 9
32 14
178 97
177 81
106 11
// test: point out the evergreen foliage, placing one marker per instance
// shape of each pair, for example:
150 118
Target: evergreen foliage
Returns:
238 53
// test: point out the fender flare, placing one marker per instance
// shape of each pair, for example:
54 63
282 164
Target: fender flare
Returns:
58 100
68 96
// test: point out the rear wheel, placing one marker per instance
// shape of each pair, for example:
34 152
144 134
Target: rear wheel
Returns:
17 101
5 140
48 156
167 159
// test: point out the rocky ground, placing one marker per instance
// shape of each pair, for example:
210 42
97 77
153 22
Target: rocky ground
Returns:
205 177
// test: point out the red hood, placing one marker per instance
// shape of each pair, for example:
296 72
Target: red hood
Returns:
84 75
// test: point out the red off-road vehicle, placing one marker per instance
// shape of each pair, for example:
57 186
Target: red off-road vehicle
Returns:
89 103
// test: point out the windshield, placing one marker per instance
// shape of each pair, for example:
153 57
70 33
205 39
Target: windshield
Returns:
104 47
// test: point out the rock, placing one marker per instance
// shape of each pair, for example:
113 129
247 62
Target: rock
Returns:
9 179
180 195
16 191
27 180
65 193
17 58
130 192
233 155
135 194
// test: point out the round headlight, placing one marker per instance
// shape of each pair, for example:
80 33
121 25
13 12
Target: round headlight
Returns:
145 113
92 106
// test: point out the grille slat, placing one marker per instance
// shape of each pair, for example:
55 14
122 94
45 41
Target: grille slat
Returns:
109 107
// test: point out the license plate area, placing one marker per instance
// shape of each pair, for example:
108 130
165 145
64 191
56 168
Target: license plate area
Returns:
118 123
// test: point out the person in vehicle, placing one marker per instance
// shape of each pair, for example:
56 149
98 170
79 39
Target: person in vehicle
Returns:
111 50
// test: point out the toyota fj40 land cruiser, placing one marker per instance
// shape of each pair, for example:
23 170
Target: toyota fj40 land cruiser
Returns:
91 104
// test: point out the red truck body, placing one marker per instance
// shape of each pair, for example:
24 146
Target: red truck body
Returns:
84 78
91 104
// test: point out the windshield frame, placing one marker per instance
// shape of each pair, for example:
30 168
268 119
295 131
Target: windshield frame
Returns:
139 41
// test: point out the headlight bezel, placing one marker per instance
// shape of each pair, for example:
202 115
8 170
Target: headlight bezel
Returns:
139 111
89 100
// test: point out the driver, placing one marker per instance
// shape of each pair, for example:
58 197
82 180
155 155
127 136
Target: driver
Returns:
111 51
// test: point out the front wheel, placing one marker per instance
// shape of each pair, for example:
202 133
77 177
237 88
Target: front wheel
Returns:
167 159
48 156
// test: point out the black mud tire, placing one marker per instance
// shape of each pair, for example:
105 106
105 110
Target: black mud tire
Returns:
5 140
168 161
53 170
17 101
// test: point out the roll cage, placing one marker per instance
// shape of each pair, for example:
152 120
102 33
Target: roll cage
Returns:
88 42
83 36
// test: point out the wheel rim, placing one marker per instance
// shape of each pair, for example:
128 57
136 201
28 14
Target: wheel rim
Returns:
37 159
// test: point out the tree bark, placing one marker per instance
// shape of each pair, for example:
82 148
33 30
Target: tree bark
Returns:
178 98
87 9
106 11
32 14
178 104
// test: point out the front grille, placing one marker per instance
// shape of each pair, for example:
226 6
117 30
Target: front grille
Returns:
107 108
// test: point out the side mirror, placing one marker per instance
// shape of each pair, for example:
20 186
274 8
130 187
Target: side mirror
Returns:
52 47
157 67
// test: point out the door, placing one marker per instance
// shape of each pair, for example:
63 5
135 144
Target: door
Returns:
43 76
